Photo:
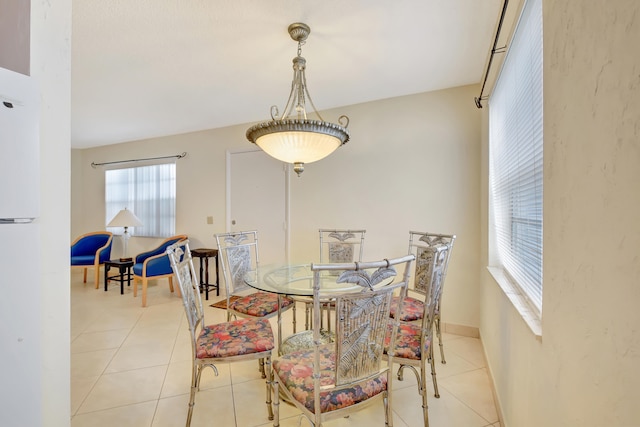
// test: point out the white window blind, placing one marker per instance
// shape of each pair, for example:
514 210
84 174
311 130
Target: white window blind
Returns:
149 192
515 159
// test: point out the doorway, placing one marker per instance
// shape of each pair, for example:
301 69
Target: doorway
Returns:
258 199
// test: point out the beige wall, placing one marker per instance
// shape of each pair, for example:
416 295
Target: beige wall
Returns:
412 163
584 371
51 66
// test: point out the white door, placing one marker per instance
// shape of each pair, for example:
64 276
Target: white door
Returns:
257 200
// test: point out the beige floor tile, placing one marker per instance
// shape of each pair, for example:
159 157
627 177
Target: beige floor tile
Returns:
108 320
409 379
244 371
140 356
102 340
137 415
158 293
151 335
445 411
90 363
469 349
209 380
287 410
456 364
161 316
182 351
125 388
212 407
178 379
131 366
80 388
473 389
247 395
172 411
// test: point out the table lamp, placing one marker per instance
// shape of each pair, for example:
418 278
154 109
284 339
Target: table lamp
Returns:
125 218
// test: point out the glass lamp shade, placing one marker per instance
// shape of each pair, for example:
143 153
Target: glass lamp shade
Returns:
298 147
298 141
125 218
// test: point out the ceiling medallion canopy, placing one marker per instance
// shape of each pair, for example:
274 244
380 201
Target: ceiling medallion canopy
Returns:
292 137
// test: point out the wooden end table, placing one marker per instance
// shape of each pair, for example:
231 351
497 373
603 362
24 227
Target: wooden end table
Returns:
124 273
205 253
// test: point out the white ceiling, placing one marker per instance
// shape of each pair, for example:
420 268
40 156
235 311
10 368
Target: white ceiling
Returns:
148 68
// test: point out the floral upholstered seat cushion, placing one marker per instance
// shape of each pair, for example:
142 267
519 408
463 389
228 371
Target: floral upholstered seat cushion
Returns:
295 372
407 341
259 304
412 309
243 336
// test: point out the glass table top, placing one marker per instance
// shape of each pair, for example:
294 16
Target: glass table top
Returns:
296 279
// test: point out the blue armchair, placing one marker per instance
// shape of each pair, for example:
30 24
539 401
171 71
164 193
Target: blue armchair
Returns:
154 264
91 250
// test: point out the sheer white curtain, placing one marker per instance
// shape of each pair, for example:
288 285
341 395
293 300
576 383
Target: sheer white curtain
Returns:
515 159
149 192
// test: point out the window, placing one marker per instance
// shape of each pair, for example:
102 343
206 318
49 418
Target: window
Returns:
149 192
515 158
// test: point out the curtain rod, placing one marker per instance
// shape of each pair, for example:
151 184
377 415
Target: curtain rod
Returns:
494 50
177 156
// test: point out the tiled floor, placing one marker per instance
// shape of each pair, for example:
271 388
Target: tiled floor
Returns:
130 366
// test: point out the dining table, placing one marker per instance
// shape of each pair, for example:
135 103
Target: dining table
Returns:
293 279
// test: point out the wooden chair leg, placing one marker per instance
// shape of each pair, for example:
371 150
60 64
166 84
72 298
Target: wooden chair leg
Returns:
144 291
97 275
85 275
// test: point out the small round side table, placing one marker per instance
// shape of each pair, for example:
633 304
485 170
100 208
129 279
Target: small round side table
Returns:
205 253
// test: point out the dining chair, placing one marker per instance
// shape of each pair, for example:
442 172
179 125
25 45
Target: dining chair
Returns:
91 250
413 308
333 380
336 245
411 347
341 245
239 254
227 342
154 265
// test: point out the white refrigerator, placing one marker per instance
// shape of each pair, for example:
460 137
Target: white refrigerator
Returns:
21 355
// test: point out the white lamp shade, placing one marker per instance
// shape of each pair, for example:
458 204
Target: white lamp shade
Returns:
295 146
125 218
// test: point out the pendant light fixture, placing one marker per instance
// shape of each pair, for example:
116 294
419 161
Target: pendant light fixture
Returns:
293 137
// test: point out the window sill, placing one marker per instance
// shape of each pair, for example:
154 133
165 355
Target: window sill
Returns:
520 303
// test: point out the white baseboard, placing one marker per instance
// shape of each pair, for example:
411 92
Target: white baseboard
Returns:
463 330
